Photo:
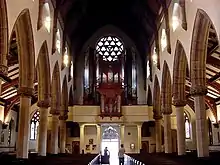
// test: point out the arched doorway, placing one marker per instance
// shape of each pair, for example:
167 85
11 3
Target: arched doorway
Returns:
110 139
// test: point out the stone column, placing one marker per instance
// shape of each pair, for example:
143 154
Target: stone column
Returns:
119 103
42 141
158 135
139 137
181 138
167 134
54 131
63 133
82 138
98 138
24 122
102 103
122 134
3 71
201 122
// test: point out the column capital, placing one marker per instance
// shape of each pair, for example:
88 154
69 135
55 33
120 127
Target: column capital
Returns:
157 117
199 90
63 117
26 91
54 112
179 103
3 70
44 103
63 112
166 110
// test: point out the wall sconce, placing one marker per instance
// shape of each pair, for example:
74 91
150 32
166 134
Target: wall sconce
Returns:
132 146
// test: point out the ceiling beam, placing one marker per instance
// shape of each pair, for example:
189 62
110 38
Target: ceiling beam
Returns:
215 77
213 61
10 84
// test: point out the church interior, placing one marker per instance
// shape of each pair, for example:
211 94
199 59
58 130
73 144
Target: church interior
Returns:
77 76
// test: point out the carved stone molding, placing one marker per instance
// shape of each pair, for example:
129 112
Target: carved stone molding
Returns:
64 117
198 91
63 112
179 103
157 117
54 111
166 110
26 91
44 103
3 70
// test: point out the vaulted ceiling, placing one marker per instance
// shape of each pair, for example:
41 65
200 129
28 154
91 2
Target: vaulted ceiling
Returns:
137 18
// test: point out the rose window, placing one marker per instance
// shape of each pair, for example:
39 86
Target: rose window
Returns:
110 48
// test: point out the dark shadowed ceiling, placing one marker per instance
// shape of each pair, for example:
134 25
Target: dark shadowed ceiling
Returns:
82 18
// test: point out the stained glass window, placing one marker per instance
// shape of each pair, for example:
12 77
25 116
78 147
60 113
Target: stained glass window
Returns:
109 47
58 42
71 69
148 69
46 15
176 16
154 56
86 77
163 39
187 127
34 125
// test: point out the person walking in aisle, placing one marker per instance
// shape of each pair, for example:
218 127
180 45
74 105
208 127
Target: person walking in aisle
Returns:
121 153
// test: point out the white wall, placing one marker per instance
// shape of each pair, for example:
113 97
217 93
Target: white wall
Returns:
90 133
132 138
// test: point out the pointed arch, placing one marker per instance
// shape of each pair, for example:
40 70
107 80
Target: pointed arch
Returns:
199 51
156 99
25 42
43 73
56 90
179 75
3 34
149 97
166 90
64 99
71 96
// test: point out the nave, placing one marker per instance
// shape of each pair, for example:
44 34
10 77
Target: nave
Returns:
73 70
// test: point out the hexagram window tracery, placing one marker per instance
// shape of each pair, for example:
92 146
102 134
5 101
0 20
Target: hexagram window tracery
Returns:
109 47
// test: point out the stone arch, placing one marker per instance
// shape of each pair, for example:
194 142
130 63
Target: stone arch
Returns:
25 42
56 90
166 90
198 57
156 99
199 52
3 35
43 73
71 96
179 75
64 99
149 97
